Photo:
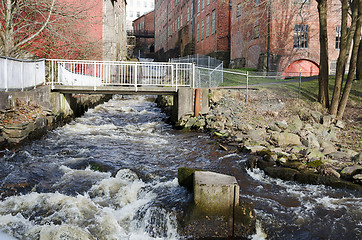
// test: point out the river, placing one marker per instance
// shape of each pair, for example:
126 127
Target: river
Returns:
112 174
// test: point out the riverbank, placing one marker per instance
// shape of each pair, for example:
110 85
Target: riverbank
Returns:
287 138
30 114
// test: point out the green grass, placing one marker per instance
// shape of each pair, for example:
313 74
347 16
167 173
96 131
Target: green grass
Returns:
308 91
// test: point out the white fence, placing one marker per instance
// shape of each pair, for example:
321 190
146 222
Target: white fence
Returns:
209 71
18 74
109 73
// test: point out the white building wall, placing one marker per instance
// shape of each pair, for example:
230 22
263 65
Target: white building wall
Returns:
136 8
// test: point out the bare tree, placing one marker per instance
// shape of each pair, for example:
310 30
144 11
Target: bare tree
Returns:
352 9
323 76
47 28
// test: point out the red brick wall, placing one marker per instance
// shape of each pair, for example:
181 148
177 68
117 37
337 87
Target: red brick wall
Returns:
284 16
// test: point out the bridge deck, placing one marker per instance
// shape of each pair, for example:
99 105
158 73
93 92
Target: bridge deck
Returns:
142 90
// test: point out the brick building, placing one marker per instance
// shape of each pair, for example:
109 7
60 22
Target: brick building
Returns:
184 27
144 31
292 40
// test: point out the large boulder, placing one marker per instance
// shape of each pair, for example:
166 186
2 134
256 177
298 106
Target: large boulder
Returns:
286 139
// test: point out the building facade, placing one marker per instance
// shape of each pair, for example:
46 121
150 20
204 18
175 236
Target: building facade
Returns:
282 35
184 27
137 8
114 30
144 31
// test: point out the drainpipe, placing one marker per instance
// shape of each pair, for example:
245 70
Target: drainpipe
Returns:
268 51
229 31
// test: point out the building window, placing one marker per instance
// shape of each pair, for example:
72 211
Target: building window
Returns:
145 4
207 25
338 37
138 14
301 36
188 13
256 32
257 3
208 2
202 30
198 6
181 20
213 30
203 4
198 33
238 10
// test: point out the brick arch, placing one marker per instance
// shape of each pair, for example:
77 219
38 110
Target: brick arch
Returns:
304 66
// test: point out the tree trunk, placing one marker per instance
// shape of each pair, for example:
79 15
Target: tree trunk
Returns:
353 63
346 40
323 95
359 63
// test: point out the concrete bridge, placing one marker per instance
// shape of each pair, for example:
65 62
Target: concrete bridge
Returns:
129 78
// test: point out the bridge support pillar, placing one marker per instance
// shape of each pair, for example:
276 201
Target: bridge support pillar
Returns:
183 103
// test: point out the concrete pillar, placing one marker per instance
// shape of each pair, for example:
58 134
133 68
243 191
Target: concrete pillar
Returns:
205 101
183 102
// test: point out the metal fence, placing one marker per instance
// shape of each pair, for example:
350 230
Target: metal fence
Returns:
16 74
274 82
208 70
103 73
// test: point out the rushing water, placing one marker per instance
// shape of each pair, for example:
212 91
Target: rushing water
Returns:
111 174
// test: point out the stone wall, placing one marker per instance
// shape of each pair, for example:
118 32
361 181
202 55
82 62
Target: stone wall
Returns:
30 114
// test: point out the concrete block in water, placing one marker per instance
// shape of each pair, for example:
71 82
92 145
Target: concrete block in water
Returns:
215 193
216 211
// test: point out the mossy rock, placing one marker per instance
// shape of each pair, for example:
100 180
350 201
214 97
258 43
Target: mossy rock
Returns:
315 164
185 177
282 173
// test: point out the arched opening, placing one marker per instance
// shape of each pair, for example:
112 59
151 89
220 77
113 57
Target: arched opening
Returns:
305 67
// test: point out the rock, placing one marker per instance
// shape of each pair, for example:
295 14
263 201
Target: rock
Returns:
295 165
253 149
315 164
340 124
251 163
286 139
350 171
327 148
328 171
190 122
312 178
349 152
200 123
314 154
218 125
257 134
357 158
282 124
357 178
327 120
309 140
244 127
282 160
281 172
338 155
317 116
296 125
262 164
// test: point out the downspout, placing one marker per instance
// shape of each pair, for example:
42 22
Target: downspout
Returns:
229 32
268 50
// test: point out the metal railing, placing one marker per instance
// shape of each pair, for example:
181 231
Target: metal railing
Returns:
109 73
17 74
208 71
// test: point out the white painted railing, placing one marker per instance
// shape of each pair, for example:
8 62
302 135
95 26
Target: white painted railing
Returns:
17 74
109 73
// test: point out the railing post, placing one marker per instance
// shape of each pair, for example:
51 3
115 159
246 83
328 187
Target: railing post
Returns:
95 74
247 86
193 75
6 74
135 76
22 76
172 77
176 76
